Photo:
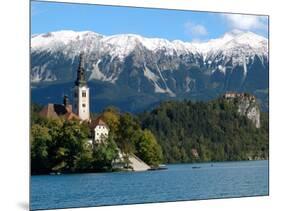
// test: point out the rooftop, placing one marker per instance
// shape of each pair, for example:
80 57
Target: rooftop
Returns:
58 110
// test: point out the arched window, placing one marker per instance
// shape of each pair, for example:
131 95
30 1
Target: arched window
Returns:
84 94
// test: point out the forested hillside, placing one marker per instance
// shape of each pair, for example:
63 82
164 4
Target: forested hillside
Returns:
174 132
199 131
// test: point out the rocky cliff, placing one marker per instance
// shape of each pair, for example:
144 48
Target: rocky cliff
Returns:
135 73
247 106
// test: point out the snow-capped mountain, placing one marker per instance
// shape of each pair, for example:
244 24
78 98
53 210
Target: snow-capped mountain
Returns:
237 61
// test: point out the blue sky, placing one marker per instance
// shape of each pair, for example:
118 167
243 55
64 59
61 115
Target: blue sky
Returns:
168 24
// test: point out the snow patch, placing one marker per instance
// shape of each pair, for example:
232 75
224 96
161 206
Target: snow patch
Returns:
96 73
150 75
41 73
222 68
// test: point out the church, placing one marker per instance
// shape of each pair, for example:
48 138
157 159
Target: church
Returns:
81 93
81 106
81 100
81 111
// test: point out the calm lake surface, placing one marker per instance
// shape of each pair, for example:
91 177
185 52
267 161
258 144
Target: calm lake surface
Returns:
179 182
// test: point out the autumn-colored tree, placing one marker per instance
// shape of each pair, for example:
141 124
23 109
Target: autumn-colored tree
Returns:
112 118
148 149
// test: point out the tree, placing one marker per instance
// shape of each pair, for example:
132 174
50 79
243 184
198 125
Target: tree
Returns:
104 154
74 138
111 117
127 131
40 139
215 129
148 149
84 159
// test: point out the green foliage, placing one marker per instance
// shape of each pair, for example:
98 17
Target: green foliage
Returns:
148 149
58 145
126 131
40 141
173 132
111 116
104 154
214 129
73 137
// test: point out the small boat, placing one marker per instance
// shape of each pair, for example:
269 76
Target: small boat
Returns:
160 167
196 167
54 173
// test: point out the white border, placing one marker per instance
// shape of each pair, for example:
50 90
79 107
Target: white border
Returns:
14 106
237 6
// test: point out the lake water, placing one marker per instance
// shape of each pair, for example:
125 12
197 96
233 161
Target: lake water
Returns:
179 182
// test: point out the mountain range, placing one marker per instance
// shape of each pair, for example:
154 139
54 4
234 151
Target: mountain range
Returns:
135 73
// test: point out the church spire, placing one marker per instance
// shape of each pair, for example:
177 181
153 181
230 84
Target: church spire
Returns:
80 81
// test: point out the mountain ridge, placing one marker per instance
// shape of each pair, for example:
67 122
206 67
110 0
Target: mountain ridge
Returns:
153 44
238 61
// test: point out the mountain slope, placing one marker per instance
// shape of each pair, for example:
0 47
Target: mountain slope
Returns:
154 67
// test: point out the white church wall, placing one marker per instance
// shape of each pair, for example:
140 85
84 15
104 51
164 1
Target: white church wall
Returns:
82 102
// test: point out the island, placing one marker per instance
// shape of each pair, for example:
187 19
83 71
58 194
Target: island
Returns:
69 138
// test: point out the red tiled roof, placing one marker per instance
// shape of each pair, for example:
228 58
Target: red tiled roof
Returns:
58 110
71 115
98 121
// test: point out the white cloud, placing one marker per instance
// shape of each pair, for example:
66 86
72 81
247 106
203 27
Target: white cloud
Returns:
246 22
195 30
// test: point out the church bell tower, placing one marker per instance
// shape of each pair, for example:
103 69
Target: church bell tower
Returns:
81 93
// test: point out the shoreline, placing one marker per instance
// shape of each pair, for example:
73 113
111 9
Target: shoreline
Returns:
152 169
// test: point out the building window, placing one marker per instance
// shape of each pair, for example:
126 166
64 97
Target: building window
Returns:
84 105
75 94
83 94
